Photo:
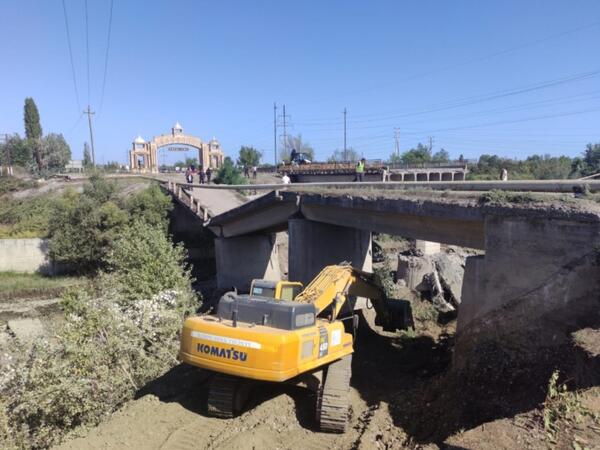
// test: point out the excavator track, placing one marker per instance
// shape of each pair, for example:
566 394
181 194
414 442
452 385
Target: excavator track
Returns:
225 396
332 402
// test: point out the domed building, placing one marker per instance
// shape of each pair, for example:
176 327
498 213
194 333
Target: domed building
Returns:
143 155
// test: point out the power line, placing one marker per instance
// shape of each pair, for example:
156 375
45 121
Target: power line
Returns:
465 101
477 58
71 55
106 55
87 51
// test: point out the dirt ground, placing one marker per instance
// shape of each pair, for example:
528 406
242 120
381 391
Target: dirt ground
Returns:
391 407
404 395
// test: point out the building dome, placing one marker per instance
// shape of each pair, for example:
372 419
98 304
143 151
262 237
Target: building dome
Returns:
139 140
177 126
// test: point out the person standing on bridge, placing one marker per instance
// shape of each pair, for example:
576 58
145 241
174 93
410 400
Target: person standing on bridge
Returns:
504 175
360 170
208 175
254 170
201 174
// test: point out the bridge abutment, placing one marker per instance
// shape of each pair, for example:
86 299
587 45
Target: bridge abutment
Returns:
537 283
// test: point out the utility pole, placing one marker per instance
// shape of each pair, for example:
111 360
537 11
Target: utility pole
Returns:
275 132
345 151
89 113
430 143
397 140
284 132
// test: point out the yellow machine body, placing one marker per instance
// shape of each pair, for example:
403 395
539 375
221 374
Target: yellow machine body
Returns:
261 352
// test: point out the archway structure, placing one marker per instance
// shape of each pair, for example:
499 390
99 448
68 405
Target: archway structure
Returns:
143 156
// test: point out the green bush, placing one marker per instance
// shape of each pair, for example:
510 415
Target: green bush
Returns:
150 205
13 184
83 227
113 341
499 196
229 174
142 262
82 231
25 218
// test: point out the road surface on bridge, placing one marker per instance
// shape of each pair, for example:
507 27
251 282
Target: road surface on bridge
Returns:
215 201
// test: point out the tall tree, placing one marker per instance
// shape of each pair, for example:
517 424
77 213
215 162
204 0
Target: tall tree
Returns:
441 156
87 155
33 130
17 150
55 152
591 158
338 155
299 144
419 155
249 156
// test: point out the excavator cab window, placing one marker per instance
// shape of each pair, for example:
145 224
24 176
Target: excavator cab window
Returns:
278 290
263 288
289 291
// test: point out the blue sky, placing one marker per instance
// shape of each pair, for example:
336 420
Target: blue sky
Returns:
511 77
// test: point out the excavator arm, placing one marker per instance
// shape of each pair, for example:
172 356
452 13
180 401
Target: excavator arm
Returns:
334 284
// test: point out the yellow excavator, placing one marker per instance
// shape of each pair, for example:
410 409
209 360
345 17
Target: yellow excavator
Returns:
280 332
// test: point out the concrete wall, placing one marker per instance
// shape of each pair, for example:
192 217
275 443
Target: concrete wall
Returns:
314 245
241 259
25 255
538 281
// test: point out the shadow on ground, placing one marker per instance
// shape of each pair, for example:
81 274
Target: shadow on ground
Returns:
414 376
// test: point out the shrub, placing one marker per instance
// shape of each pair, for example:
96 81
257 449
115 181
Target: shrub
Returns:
83 231
143 262
13 184
229 174
84 227
112 342
25 218
150 205
499 196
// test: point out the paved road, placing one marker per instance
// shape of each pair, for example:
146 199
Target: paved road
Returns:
215 201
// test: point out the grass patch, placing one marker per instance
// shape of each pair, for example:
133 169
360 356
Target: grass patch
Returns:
25 218
498 196
26 285
14 184
563 409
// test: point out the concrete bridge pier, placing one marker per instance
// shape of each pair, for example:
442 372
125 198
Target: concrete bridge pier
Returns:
241 259
314 245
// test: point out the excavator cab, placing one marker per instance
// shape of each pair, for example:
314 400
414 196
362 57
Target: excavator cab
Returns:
278 290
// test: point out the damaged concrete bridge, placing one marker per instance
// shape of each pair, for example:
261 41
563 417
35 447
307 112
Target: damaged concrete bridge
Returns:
540 266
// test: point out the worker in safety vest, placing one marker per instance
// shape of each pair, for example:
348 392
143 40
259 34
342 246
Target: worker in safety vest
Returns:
360 170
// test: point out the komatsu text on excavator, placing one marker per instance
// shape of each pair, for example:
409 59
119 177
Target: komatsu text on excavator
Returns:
281 333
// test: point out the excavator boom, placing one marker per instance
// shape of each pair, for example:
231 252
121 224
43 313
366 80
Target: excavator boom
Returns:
334 284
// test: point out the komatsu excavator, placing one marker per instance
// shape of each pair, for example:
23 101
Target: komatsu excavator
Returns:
279 334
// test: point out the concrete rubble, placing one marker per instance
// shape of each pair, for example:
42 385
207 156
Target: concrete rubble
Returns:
441 274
